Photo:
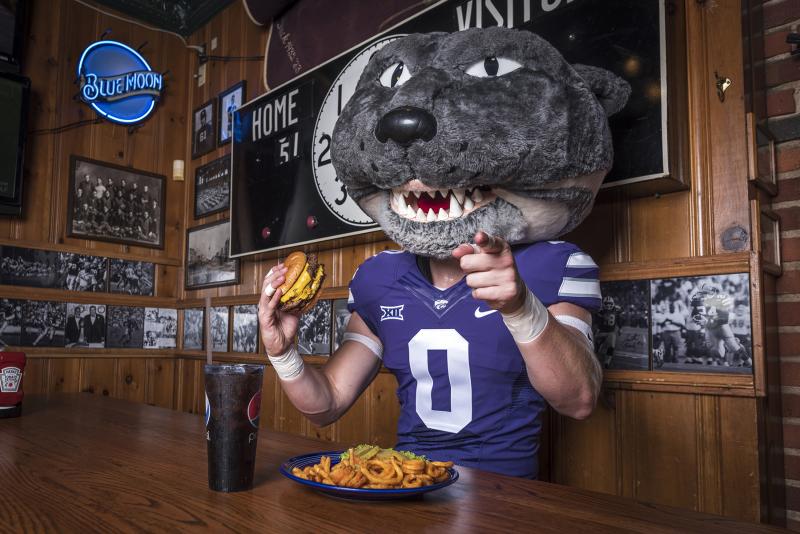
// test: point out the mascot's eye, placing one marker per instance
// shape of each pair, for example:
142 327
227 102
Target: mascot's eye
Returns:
492 67
396 75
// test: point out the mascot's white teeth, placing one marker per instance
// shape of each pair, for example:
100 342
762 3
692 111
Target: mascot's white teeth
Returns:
438 204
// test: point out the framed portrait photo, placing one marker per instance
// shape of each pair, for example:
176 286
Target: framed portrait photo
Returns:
229 101
212 187
117 204
207 261
131 277
204 138
245 328
193 329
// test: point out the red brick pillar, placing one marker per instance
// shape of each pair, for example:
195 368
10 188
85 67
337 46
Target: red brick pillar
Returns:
782 17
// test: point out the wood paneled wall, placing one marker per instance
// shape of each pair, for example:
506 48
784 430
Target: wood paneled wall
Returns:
659 437
59 31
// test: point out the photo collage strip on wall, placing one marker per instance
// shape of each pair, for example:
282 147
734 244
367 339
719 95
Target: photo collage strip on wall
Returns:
75 272
319 333
45 323
688 324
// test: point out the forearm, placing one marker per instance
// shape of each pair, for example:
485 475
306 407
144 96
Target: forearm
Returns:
312 393
563 369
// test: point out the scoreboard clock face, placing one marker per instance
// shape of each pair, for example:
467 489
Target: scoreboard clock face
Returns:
330 189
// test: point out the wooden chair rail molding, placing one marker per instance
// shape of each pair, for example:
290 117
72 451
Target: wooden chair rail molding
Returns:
88 250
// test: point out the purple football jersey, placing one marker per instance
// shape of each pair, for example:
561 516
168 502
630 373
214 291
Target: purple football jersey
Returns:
462 383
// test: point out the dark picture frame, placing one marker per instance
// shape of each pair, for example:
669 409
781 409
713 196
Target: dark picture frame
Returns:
244 337
105 217
234 95
204 136
131 277
193 335
202 262
212 187
621 327
702 324
125 327
220 325
314 331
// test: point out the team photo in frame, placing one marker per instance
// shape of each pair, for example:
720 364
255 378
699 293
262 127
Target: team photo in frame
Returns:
230 100
212 187
117 204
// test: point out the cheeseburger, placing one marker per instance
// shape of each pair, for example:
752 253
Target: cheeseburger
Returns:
304 277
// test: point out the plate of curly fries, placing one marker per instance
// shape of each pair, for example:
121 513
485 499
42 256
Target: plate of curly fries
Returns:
369 472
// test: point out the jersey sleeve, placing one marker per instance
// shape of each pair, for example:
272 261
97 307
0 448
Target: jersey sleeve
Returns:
557 271
362 293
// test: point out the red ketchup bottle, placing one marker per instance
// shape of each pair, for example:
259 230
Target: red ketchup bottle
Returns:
12 365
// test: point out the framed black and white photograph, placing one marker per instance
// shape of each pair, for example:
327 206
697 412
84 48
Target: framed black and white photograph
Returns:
193 331
125 327
44 323
212 192
78 272
314 332
203 131
118 204
29 267
160 328
229 101
245 328
11 322
341 316
131 277
621 327
86 326
207 261
702 324
219 328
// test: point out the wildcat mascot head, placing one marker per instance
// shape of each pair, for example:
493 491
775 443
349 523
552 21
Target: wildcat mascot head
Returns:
484 129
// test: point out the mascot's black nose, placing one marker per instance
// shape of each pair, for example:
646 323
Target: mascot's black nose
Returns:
405 125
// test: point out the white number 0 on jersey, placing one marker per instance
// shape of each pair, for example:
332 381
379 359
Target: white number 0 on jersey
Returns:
457 348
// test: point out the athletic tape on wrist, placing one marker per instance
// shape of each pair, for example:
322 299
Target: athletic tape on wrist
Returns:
268 289
579 325
529 321
288 365
375 347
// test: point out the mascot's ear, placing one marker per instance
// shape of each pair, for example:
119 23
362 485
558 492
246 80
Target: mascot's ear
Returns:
611 90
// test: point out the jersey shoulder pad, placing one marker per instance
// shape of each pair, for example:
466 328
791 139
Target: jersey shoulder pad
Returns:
557 271
378 273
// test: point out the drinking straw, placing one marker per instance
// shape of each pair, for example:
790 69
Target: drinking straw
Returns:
207 329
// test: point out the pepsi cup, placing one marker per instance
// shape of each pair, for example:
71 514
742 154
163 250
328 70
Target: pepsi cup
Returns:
233 405
12 365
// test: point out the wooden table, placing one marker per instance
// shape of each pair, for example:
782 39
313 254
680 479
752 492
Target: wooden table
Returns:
80 463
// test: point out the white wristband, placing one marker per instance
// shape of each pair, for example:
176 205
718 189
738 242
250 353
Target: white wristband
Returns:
288 365
527 323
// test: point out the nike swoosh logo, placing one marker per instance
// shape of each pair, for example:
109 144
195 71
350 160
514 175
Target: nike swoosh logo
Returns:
479 314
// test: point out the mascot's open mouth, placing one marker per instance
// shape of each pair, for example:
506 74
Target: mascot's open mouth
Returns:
415 201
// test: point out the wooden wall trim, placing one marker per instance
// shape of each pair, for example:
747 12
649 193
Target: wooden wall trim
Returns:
714 384
674 267
83 352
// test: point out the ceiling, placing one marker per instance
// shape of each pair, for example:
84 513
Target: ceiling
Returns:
179 16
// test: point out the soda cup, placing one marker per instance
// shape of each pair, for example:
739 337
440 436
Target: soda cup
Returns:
12 365
233 405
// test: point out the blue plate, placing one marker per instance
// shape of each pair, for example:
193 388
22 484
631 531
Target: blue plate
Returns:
355 493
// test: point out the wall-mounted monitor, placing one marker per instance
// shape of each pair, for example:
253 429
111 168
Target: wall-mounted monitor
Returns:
12 20
14 94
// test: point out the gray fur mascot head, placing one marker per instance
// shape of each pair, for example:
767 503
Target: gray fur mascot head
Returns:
484 129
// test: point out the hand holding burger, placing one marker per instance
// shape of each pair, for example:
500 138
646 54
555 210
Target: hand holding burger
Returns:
290 289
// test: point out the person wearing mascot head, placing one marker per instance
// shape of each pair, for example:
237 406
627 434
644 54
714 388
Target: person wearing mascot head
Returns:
474 151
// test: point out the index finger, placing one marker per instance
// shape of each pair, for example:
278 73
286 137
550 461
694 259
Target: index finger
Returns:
490 244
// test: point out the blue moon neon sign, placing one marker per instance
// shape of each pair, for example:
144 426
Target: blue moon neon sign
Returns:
118 83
